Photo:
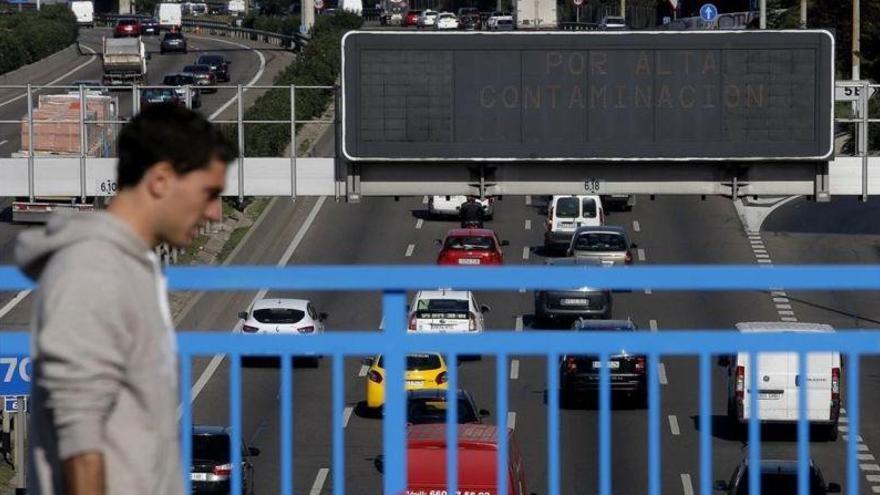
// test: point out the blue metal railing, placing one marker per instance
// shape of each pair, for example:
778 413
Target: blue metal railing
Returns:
394 343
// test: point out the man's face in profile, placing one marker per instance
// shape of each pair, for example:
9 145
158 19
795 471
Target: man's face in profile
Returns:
193 199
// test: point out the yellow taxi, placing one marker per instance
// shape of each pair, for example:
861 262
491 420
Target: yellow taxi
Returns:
423 371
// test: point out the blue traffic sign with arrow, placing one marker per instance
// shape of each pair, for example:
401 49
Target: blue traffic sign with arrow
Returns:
708 12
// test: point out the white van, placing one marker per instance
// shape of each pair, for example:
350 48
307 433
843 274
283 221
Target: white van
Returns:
170 16
779 381
353 6
565 214
84 11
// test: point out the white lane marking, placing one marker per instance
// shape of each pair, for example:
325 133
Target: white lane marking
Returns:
424 200
686 485
875 489
783 300
410 249
528 224
783 306
346 415
641 254
653 325
528 200
526 252
860 440
843 419
673 425
636 226
14 301
382 323
842 428
519 324
760 252
764 261
779 293
789 319
785 312
4 142
288 253
762 256
59 78
511 420
514 369
661 374
363 371
866 457
318 485
419 223
648 291
253 80
873 478
869 467
864 448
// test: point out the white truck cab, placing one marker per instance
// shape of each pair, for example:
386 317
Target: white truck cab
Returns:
779 381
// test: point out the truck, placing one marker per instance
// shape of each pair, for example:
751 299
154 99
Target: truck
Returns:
536 14
170 16
84 11
125 61
57 133
236 7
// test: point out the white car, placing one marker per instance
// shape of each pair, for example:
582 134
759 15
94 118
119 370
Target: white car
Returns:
283 316
566 214
449 206
492 21
426 19
446 20
446 311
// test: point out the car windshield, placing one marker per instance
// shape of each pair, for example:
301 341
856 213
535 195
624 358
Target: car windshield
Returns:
211 448
600 241
782 483
210 60
173 36
127 22
158 94
425 410
418 362
447 16
470 243
279 315
567 208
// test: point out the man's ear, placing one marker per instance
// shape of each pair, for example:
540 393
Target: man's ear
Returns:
158 179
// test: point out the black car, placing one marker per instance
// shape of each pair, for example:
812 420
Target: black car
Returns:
160 95
579 374
180 81
150 26
562 306
173 42
218 64
212 465
469 19
777 477
429 406
204 76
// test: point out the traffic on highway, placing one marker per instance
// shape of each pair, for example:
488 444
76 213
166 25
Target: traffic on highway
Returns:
436 156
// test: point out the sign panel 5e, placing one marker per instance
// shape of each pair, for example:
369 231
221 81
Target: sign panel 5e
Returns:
708 95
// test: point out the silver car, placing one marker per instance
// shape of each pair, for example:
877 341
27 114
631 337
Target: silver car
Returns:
609 245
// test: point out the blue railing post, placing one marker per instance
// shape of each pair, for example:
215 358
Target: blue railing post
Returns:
705 424
604 426
452 424
337 389
553 467
235 420
803 426
186 421
654 406
852 408
394 431
754 426
286 427
501 421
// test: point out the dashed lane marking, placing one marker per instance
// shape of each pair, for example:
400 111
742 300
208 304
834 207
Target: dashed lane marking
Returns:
528 224
785 312
783 300
866 457
648 291
661 374
636 226
653 325
363 371
686 486
424 200
410 249
641 254
870 467
526 251
528 200
514 369
518 326
346 415
14 302
783 306
419 223
511 420
318 485
790 319
673 425
4 142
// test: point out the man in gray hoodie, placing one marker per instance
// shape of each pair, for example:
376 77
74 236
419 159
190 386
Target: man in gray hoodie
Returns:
105 392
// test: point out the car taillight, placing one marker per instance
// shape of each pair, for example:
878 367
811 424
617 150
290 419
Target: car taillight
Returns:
223 470
374 376
571 365
640 365
308 329
740 382
473 322
248 329
629 258
442 378
835 383
412 322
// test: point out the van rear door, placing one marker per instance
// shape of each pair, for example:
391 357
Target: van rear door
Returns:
818 383
775 385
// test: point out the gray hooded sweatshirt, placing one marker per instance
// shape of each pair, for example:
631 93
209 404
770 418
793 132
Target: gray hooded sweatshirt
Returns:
104 368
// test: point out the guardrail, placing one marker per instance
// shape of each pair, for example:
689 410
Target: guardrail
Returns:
394 343
579 26
296 41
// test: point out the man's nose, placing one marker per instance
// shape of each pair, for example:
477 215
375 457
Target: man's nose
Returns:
214 211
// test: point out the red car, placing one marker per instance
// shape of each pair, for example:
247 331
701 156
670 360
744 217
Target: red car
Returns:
471 247
412 18
127 27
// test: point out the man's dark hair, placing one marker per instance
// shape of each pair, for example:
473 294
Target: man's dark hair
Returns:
167 132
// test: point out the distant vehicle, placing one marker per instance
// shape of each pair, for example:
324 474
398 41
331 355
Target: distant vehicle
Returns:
218 64
423 371
180 82
536 15
778 389
446 311
565 214
236 7
84 11
492 20
412 17
471 247
579 374
449 206
565 305
446 21
124 61
392 16
776 477
284 316
612 23
91 86
160 95
196 9
608 244
173 42
203 75
150 26
469 18
504 24
477 460
429 407
170 16
427 19
352 6
127 28
211 462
